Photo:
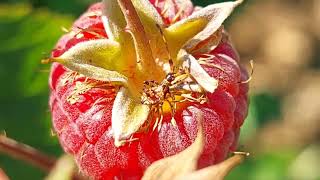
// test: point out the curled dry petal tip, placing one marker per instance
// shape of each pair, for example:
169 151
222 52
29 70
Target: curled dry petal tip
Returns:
207 82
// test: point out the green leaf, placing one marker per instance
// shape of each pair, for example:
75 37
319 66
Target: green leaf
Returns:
271 165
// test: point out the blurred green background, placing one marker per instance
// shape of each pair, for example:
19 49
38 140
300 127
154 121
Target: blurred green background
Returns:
283 127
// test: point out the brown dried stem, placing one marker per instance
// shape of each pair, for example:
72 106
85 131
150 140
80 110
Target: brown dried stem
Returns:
26 153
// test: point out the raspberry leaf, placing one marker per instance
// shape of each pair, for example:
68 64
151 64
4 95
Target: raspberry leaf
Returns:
200 26
128 115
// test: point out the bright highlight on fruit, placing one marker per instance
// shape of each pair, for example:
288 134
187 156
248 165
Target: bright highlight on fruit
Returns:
129 77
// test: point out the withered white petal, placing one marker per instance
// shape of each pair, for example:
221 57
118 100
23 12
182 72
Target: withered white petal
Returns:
207 82
194 87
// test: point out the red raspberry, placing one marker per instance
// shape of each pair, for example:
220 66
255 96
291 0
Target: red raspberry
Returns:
84 126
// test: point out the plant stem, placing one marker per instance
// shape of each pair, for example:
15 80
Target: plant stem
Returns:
26 153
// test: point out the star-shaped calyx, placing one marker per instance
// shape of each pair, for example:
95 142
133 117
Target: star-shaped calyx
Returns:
149 63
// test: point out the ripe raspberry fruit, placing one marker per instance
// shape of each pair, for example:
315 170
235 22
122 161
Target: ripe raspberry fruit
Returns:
126 87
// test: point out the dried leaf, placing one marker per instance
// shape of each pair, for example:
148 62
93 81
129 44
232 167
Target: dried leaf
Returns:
200 26
128 116
216 172
174 166
207 82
